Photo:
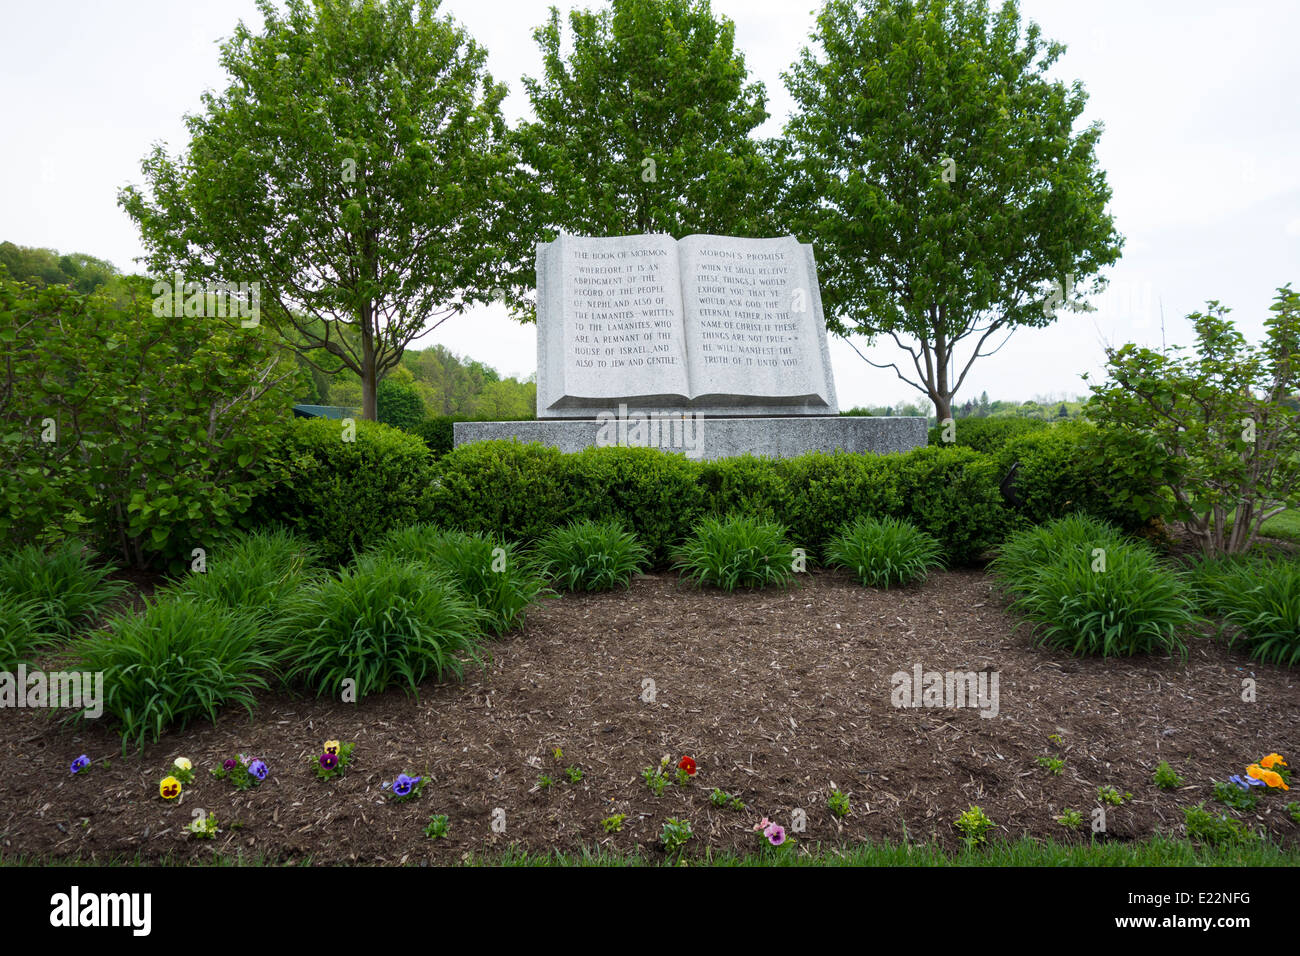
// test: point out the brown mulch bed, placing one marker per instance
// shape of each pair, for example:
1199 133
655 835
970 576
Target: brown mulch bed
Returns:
780 695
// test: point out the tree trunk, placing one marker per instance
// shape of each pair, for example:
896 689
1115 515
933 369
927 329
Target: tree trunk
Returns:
369 405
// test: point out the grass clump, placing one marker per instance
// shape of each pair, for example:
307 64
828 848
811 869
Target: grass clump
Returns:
64 583
176 661
494 573
884 552
1216 830
1257 599
591 556
380 623
734 552
21 637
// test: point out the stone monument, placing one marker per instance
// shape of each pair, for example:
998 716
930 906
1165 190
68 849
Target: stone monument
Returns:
712 346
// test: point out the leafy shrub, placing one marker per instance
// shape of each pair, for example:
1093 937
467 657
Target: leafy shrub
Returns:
121 382
882 552
259 573
1063 469
986 435
591 555
826 490
507 488
655 495
20 631
65 584
745 485
1133 606
438 433
1165 777
736 552
1259 600
951 494
177 660
493 572
1028 552
379 623
343 494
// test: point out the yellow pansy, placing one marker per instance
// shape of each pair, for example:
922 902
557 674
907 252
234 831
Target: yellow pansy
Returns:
331 746
170 788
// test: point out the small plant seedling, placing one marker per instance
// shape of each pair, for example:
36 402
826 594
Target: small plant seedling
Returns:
675 834
545 782
1052 765
1070 819
655 780
1056 739
1111 796
573 774
558 754
1165 778
438 827
1293 811
975 824
838 802
1231 795
725 801
1216 830
613 824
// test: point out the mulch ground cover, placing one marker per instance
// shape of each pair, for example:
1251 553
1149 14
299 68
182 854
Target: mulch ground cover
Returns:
779 695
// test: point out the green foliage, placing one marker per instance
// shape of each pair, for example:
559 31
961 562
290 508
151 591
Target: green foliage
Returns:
882 552
380 623
1165 777
826 490
1133 606
1065 468
1258 600
178 660
1212 430
64 584
1206 827
1030 552
947 179
644 118
655 780
736 552
655 494
343 494
1231 795
1109 795
493 572
974 824
838 803
501 487
674 835
745 485
987 435
591 556
952 495
398 403
726 801
438 433
21 636
437 827
141 427
259 573
614 823
368 178
1053 765
1071 819
42 267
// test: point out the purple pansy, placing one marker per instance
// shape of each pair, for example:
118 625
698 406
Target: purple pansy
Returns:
329 761
1245 782
229 764
403 784
258 769
80 764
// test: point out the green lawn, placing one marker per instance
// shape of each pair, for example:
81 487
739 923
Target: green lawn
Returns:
1285 526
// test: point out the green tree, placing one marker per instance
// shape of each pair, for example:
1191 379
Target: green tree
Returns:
399 402
644 126
1213 431
937 171
354 166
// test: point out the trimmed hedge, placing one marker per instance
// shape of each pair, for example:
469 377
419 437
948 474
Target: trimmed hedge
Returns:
987 435
344 494
500 487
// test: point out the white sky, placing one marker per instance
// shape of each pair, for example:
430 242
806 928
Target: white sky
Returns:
1201 103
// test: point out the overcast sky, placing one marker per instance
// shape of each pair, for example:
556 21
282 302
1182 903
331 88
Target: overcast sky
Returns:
1200 100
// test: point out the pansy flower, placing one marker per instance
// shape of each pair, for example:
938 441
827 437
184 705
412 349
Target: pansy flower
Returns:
1245 782
1270 777
170 788
331 747
258 769
775 834
80 764
687 764
328 760
1272 760
182 763
403 784
229 764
